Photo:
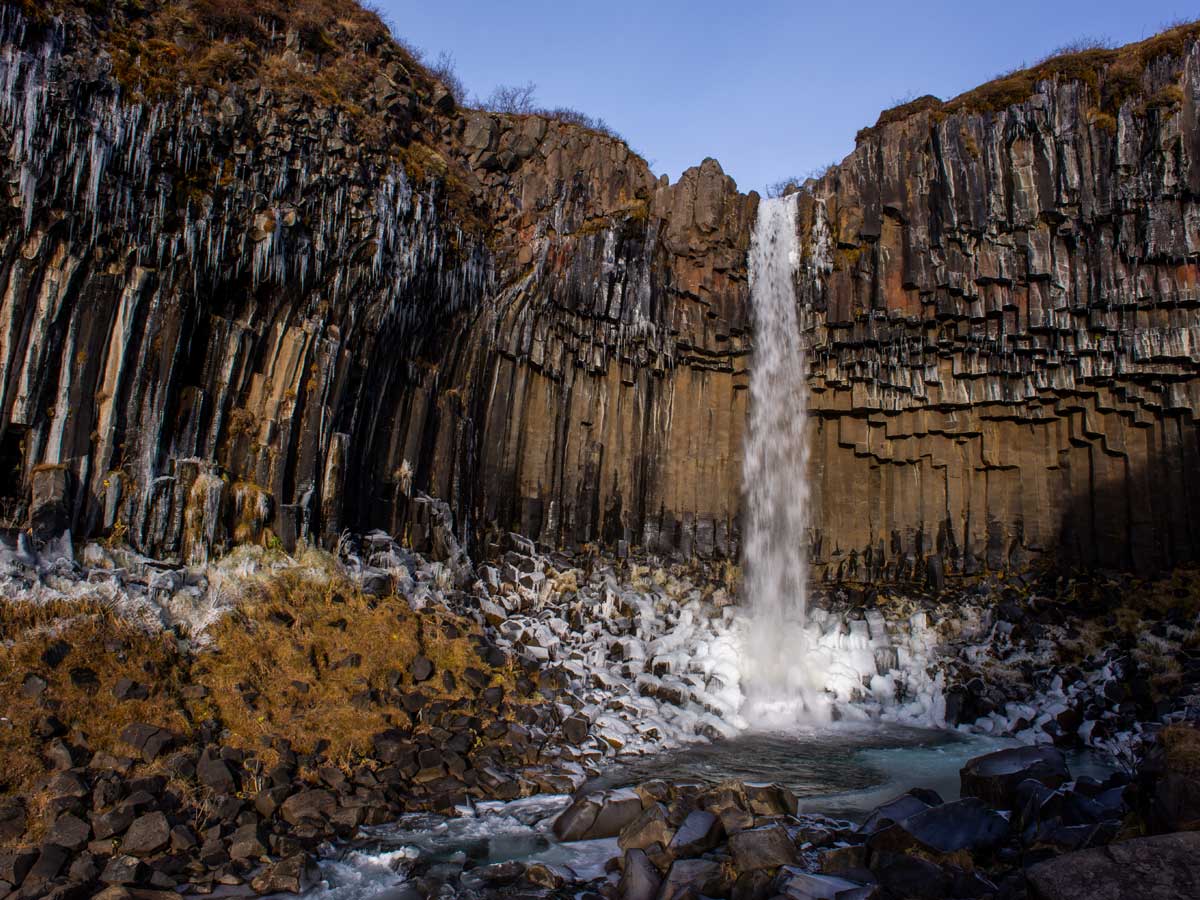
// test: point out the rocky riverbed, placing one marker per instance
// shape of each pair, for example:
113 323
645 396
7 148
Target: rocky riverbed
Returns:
220 728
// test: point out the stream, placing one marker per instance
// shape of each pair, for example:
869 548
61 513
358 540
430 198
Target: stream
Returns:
843 772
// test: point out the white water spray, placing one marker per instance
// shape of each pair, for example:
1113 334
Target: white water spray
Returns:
780 687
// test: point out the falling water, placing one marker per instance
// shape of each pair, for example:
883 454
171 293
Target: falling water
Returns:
779 687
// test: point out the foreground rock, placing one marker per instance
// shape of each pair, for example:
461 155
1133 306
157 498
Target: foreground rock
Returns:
995 777
1163 867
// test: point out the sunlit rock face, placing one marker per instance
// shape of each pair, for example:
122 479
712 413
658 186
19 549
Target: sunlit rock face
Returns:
237 315
1004 347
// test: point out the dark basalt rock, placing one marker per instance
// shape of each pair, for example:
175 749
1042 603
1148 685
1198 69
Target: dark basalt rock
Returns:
1165 867
598 816
421 669
147 835
995 777
12 818
899 809
148 740
640 880
293 875
692 877
967 824
215 774
699 832
650 827
70 832
312 806
768 847
15 865
575 729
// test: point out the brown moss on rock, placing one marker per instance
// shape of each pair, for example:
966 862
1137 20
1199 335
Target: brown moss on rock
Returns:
1112 75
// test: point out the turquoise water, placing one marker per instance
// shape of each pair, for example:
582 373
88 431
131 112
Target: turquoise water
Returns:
843 771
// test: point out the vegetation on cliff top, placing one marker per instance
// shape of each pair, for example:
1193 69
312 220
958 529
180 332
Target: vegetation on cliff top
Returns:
1112 75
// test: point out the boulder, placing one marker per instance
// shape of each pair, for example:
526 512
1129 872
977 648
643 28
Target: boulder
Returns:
69 831
421 669
598 816
769 799
309 806
575 729
651 827
699 832
639 878
12 819
147 740
214 773
994 778
898 809
1163 867
247 843
51 860
110 824
122 869
768 847
691 877
292 875
796 884
1168 781
967 824
912 877
147 835
15 865
550 876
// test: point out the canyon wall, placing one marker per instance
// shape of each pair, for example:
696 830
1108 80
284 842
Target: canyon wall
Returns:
247 312
1004 325
262 309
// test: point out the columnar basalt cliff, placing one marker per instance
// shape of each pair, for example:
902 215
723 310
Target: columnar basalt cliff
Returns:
237 309
258 297
1003 310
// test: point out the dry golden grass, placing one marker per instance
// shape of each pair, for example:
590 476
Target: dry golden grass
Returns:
95 639
1182 743
351 652
1113 76
299 660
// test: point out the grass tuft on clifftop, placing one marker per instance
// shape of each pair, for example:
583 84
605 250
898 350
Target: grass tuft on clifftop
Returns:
1112 75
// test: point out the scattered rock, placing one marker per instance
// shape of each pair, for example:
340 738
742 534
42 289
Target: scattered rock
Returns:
768 847
147 835
292 875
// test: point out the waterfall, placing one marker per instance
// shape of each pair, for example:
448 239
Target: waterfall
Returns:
780 688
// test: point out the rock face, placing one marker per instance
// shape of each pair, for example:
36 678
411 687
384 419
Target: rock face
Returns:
1002 331
242 312
1160 867
314 334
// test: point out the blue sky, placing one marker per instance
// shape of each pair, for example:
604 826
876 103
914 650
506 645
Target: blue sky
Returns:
771 89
